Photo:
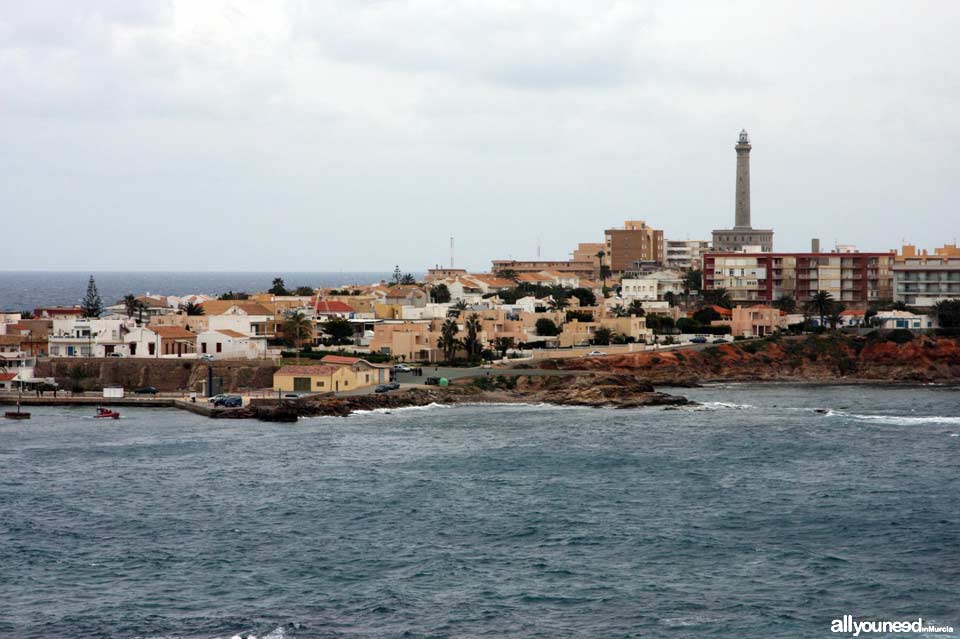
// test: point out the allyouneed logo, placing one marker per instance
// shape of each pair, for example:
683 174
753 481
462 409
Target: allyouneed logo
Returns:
849 625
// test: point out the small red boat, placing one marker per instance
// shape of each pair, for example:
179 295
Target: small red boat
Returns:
106 413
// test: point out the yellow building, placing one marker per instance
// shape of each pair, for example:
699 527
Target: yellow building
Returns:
313 379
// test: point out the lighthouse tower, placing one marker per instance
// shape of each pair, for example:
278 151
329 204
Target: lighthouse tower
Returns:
743 235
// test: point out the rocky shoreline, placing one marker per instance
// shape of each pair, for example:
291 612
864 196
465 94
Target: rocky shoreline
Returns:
597 390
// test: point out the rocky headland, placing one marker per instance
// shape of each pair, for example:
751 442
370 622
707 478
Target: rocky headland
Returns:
896 357
592 389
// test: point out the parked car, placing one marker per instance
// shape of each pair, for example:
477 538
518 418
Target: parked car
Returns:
217 398
719 340
432 381
402 368
207 357
114 354
291 395
394 385
229 401
595 353
146 390
698 340
382 388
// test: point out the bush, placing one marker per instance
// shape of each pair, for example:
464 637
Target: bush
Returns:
899 336
580 316
546 327
687 325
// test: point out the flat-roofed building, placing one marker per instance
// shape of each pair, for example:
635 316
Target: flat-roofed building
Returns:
634 244
923 279
854 279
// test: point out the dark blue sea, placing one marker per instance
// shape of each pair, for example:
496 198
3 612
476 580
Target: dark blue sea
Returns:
26 290
752 516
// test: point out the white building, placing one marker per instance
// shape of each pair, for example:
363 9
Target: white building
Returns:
903 319
228 344
685 254
88 336
924 280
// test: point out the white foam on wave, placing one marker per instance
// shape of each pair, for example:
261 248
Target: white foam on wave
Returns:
384 411
899 420
726 405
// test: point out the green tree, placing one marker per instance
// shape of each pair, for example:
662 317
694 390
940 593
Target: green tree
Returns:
786 303
397 275
304 291
502 345
472 341
636 308
706 315
408 279
559 302
440 293
339 329
92 304
461 305
278 287
546 327
230 295
836 311
620 311
296 328
191 308
507 274
585 295
448 342
822 301
602 335
718 297
947 313
130 303
670 298
693 280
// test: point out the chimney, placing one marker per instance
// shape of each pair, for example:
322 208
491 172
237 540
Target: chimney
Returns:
815 245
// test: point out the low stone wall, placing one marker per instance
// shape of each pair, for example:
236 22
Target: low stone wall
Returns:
166 375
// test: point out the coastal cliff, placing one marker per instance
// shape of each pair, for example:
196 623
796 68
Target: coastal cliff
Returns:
818 358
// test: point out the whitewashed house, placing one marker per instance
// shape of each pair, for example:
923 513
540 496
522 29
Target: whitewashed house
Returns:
229 344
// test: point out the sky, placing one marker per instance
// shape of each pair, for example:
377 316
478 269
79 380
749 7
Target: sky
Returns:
327 135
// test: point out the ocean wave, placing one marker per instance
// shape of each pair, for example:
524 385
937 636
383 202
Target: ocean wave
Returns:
726 405
899 420
384 411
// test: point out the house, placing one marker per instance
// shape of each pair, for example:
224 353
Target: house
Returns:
88 336
334 374
568 280
7 320
313 379
753 321
58 312
325 309
229 344
902 319
365 373
852 318
7 381
250 318
160 341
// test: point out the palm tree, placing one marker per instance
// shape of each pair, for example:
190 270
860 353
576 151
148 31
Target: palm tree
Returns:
836 310
822 301
130 302
718 297
472 340
191 308
619 310
297 327
461 305
448 342
636 308
502 345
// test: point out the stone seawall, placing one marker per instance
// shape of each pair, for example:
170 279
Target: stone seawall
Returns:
165 374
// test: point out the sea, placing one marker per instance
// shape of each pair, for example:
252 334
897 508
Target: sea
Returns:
765 511
27 290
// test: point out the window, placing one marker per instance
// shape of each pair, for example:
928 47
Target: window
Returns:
219 347
151 348
203 347
54 350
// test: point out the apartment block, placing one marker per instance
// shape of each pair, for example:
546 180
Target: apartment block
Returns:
630 247
686 254
852 278
922 279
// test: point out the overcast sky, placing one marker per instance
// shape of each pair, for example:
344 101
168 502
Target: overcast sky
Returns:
358 134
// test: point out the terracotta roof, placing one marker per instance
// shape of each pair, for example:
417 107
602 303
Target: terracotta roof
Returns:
11 339
172 332
723 312
219 307
491 280
306 370
230 333
6 377
334 306
853 313
533 277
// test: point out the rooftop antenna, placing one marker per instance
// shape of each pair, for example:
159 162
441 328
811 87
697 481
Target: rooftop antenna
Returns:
451 251
538 249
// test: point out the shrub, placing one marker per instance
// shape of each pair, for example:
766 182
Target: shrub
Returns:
546 327
899 336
